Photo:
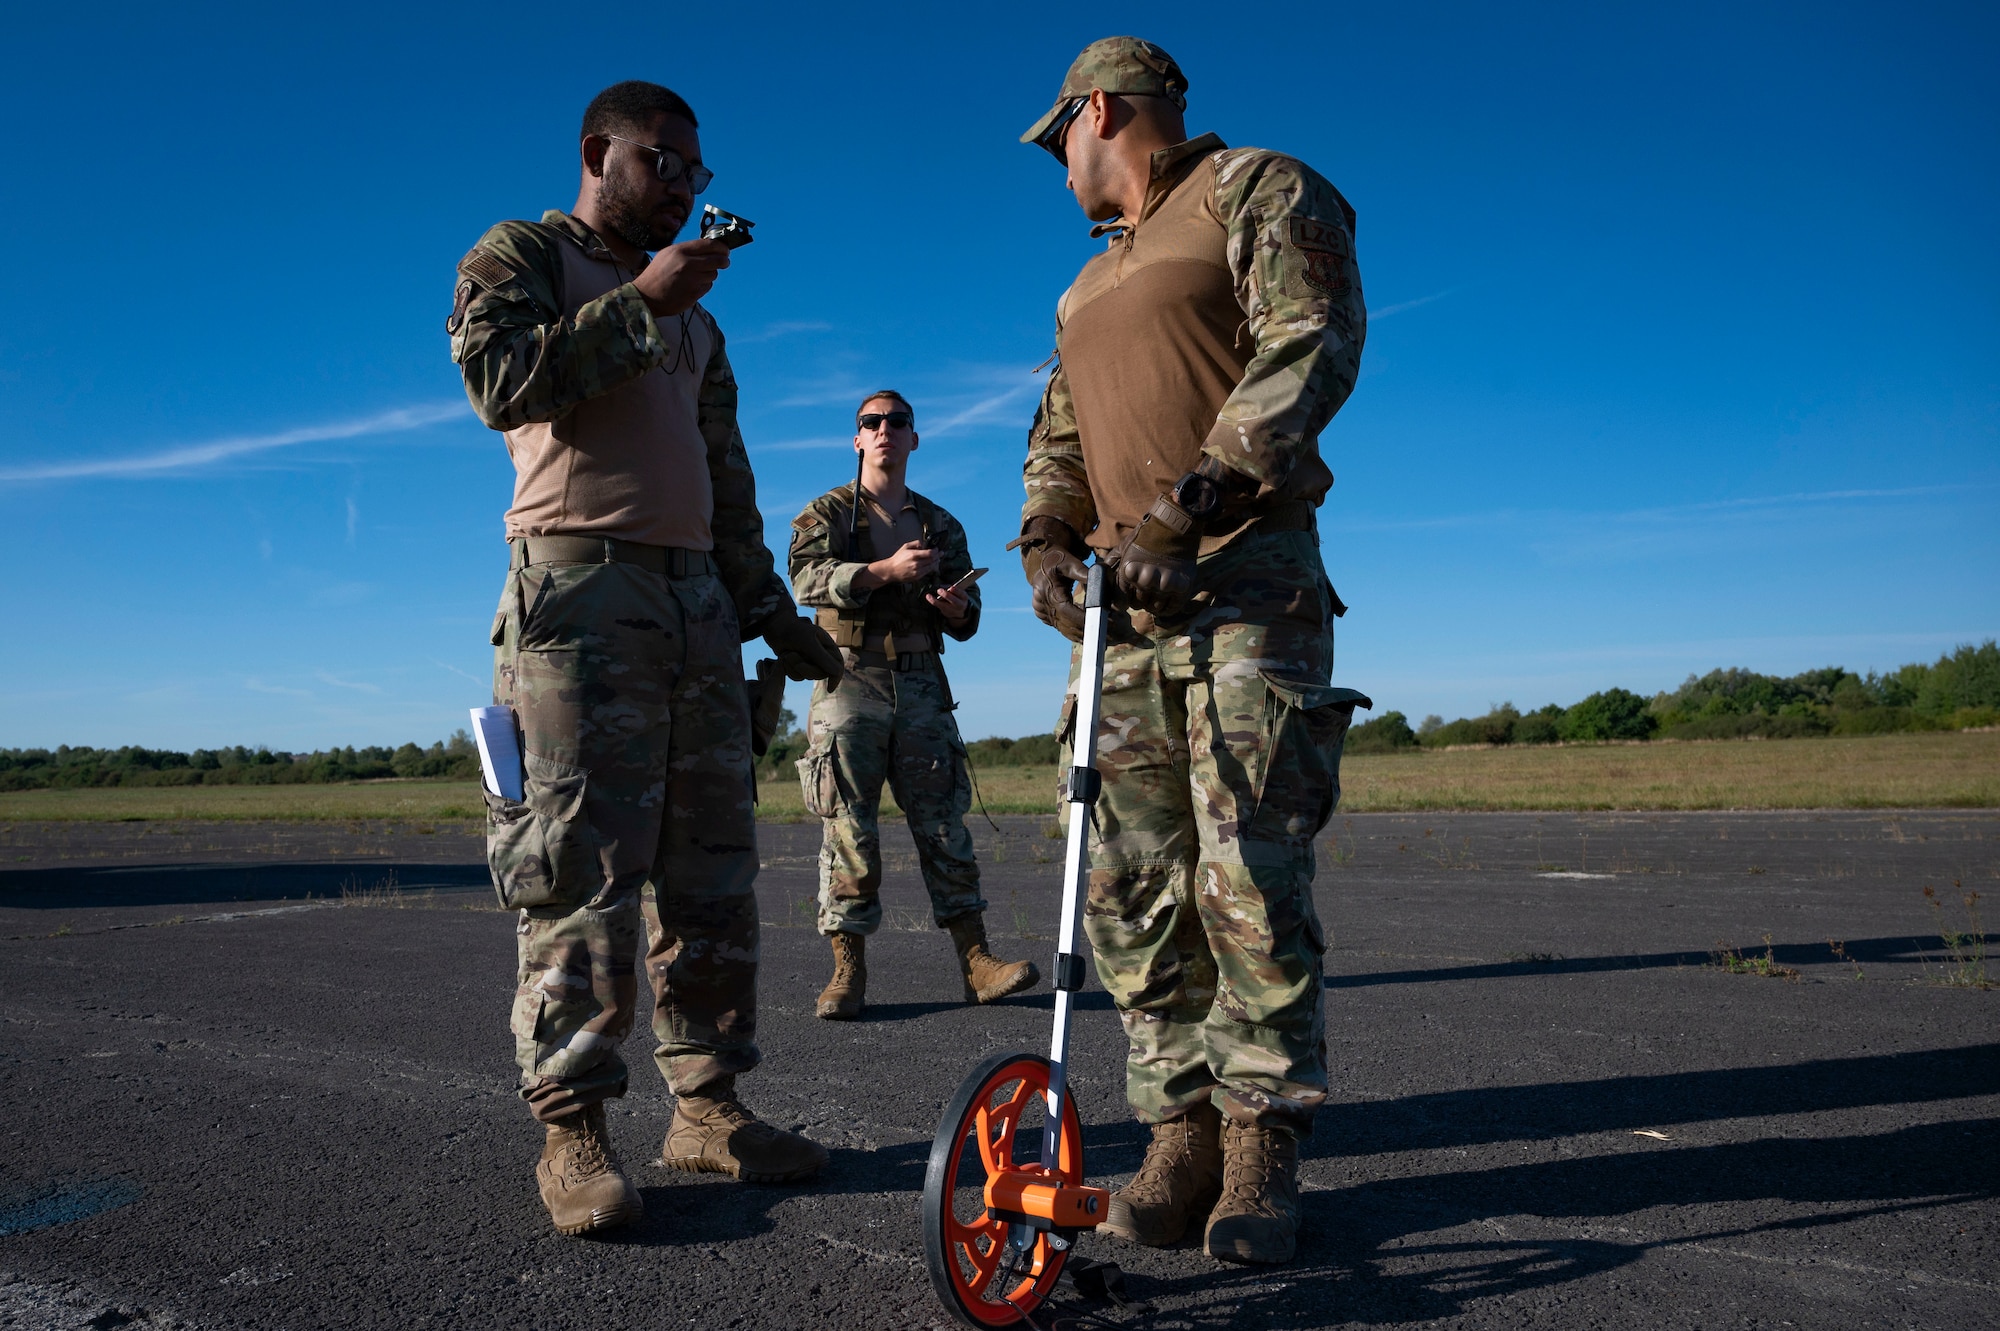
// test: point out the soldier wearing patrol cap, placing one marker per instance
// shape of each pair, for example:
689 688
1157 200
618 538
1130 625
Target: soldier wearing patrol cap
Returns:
883 580
1199 358
638 568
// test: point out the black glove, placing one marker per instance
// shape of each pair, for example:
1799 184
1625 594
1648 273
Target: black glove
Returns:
804 649
1051 557
1156 567
767 700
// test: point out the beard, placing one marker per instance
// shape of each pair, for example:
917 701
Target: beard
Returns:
623 210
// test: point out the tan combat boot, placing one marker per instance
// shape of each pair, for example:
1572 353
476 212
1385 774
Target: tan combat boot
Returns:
1257 1219
1179 1181
842 998
712 1133
986 976
583 1185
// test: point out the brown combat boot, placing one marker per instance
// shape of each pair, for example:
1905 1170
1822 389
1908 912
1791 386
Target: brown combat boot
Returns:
1257 1219
842 998
712 1133
583 1185
1179 1181
986 976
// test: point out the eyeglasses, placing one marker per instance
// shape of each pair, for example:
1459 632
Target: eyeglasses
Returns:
874 420
1056 137
671 165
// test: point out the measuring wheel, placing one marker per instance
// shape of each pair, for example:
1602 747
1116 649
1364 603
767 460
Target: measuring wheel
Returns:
997 1224
1004 1196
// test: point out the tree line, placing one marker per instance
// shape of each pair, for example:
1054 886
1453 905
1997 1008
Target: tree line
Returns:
1960 691
70 767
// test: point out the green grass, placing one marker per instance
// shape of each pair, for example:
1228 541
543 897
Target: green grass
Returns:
1951 770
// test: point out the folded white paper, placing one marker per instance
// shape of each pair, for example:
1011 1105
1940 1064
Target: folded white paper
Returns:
499 750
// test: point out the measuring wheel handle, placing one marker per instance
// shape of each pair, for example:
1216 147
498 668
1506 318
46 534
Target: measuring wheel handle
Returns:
995 1258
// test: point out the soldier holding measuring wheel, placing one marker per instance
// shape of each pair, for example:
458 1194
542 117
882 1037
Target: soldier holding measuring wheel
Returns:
1199 357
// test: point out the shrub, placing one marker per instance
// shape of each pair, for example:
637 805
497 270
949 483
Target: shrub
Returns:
1612 714
1387 733
1496 727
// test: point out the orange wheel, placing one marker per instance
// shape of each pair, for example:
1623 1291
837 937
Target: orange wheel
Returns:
993 1122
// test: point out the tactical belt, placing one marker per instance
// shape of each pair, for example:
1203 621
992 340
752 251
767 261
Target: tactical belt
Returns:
901 661
669 561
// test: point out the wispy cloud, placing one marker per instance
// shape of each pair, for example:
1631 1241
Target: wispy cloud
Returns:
802 445
985 409
191 456
462 674
1376 316
783 329
1731 508
256 685
340 683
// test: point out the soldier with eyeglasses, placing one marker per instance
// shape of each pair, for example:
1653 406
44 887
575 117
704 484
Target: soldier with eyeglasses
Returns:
880 564
638 568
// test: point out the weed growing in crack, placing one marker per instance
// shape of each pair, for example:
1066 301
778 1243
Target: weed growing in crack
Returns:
1840 954
1965 964
384 892
1768 965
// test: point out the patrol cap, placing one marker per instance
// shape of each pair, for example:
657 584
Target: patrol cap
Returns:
1116 64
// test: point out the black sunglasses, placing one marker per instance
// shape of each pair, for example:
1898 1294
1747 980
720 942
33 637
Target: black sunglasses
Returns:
874 420
671 165
1056 137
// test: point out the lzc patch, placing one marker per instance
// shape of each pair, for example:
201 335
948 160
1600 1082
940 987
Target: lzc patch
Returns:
1319 254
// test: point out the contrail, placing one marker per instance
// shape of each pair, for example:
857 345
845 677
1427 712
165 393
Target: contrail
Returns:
197 455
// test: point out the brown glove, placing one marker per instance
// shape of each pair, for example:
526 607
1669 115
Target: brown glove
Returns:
804 649
1051 557
1156 567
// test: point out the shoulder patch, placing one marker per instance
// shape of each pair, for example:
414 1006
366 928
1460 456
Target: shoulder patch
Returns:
488 269
1319 252
807 520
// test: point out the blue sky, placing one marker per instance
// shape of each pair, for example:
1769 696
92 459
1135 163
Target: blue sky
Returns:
1685 349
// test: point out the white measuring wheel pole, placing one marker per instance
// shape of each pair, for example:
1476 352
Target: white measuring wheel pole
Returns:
1080 788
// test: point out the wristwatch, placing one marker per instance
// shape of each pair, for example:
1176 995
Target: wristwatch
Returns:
1197 496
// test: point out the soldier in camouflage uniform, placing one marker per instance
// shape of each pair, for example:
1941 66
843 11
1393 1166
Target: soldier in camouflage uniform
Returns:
1199 358
881 580
637 569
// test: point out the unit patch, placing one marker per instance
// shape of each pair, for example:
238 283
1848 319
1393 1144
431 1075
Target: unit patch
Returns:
1319 254
460 299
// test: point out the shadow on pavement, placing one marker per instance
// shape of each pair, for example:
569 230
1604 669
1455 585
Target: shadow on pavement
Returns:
183 884
1877 951
1351 1239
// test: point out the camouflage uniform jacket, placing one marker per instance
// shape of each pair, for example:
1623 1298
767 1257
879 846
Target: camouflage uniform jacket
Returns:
524 362
823 569
1253 344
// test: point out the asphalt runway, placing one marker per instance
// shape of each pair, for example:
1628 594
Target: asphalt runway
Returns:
259 1076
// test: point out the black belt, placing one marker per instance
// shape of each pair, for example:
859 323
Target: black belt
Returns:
669 561
900 662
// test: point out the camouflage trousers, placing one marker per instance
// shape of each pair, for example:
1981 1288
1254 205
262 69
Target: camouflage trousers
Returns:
1220 755
894 725
637 809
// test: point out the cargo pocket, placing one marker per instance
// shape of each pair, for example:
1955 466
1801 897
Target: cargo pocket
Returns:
819 779
1305 724
540 848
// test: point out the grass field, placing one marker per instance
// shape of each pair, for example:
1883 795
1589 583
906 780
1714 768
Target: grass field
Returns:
1880 771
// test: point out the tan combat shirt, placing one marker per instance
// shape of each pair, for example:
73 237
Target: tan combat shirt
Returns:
1225 321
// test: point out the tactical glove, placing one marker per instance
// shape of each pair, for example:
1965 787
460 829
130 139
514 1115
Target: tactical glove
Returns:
1051 554
804 649
1156 567
767 702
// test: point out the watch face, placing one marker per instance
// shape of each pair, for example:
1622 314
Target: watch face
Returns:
1197 495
